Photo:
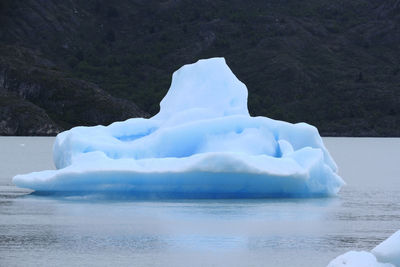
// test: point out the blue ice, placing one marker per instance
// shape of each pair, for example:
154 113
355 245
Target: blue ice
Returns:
202 143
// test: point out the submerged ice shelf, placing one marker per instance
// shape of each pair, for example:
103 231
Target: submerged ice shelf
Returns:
202 143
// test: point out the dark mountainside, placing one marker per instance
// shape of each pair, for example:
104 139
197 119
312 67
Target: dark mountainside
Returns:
333 64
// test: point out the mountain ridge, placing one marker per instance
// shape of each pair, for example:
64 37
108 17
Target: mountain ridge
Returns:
333 64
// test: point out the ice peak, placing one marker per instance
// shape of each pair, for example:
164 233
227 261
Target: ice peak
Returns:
207 88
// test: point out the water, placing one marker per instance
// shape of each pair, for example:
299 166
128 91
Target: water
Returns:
45 231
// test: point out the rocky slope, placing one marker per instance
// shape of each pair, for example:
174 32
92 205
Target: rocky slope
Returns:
38 99
334 64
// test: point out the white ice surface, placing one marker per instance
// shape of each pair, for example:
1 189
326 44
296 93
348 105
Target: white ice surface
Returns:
385 254
203 142
357 259
389 250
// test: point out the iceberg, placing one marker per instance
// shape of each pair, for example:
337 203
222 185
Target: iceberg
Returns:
389 250
386 254
202 143
357 259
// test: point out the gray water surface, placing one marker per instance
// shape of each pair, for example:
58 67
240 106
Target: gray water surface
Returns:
48 231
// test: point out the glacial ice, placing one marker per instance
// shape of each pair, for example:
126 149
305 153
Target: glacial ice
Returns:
389 250
202 143
386 254
357 259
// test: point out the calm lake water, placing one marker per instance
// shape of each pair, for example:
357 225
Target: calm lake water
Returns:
46 231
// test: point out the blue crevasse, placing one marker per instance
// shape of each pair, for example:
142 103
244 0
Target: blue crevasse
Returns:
202 143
